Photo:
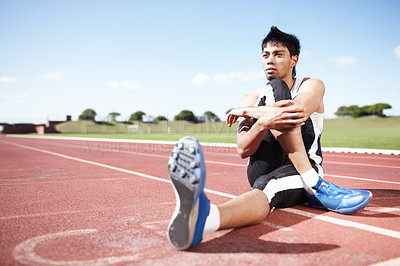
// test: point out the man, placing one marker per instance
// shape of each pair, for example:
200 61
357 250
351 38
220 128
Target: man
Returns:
279 129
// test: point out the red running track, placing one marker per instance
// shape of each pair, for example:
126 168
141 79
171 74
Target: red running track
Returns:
71 202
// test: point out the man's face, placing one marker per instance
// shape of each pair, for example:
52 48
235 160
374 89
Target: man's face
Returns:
277 62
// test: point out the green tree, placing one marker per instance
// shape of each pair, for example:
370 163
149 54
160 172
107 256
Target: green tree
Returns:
88 114
186 115
377 109
342 111
227 112
137 116
211 116
356 111
160 118
114 115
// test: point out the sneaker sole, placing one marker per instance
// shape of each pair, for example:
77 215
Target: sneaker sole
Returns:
188 179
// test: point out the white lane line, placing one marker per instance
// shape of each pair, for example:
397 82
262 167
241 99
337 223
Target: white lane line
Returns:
338 176
362 164
31 215
37 215
368 228
364 179
365 227
382 210
25 252
391 262
224 163
277 226
91 162
224 145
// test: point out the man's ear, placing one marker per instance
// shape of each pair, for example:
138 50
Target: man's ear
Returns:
295 59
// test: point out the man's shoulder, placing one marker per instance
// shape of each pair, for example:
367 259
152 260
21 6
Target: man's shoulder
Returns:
312 84
308 80
250 98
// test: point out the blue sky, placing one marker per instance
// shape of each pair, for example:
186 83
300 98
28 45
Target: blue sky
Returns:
60 57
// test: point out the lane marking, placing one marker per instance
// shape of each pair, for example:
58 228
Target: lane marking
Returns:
37 215
25 252
164 180
226 145
156 226
91 162
360 226
382 210
277 226
31 215
391 262
364 179
365 227
361 164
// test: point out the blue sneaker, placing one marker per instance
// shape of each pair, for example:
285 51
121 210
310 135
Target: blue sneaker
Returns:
338 199
188 174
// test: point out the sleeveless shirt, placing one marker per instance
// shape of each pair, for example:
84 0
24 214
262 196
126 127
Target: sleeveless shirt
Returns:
311 131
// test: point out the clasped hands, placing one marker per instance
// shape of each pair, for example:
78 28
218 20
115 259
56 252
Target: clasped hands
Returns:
283 114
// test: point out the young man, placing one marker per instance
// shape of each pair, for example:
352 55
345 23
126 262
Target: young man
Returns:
279 129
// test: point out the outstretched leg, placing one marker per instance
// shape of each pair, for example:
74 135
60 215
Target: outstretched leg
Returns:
193 215
249 208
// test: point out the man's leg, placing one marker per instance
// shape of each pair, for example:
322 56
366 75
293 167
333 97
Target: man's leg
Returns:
320 193
249 208
193 215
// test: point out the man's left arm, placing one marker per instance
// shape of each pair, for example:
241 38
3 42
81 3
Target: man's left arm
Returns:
311 96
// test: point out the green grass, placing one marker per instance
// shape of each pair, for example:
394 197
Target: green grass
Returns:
205 132
365 132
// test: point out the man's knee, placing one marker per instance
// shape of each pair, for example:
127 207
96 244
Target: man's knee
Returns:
280 89
260 200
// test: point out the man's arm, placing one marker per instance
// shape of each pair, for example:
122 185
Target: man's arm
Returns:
282 115
311 96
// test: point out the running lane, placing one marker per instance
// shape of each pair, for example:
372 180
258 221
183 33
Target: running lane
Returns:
66 202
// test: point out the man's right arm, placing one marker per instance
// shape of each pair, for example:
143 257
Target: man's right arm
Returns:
283 114
249 135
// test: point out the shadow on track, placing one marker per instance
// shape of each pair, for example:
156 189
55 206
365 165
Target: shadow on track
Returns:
254 239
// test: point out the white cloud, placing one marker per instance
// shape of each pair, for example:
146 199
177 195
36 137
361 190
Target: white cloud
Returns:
7 79
21 96
14 98
343 61
53 75
231 78
126 84
201 79
113 84
397 51
306 54
234 77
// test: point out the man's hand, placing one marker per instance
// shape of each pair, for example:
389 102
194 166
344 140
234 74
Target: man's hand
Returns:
234 115
282 115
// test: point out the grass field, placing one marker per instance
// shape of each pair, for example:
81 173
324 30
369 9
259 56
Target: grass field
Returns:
365 132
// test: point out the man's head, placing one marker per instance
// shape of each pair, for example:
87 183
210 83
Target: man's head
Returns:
289 42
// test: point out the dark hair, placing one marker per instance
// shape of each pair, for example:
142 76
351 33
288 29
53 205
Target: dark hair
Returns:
290 41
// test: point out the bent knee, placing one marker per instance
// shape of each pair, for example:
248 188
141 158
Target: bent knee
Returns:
262 201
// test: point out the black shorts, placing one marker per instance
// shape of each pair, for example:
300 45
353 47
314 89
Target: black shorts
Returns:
277 178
